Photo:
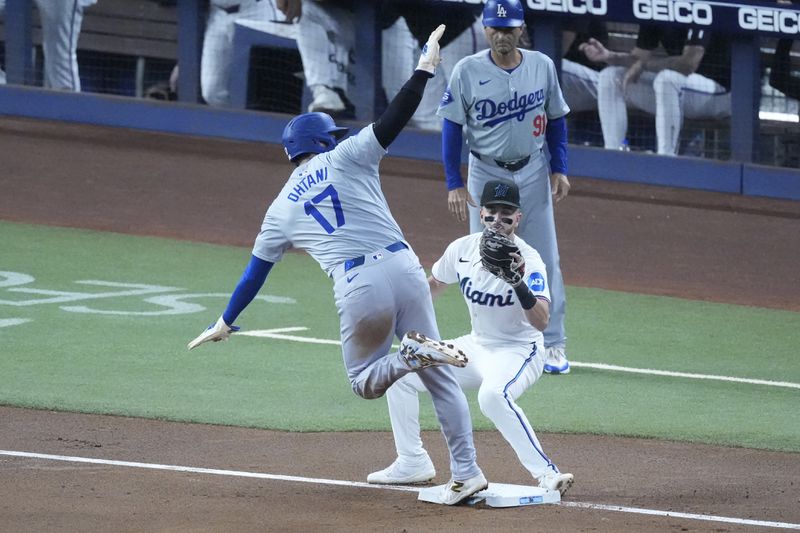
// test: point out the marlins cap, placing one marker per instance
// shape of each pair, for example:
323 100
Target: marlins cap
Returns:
503 192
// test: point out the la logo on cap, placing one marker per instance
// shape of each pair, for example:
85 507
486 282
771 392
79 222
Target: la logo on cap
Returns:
501 11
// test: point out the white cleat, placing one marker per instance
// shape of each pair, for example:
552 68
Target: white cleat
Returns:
418 351
555 361
458 491
399 473
556 481
326 100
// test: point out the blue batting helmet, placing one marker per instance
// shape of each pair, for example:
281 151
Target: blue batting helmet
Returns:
311 133
503 14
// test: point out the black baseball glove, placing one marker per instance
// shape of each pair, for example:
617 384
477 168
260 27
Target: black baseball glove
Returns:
496 250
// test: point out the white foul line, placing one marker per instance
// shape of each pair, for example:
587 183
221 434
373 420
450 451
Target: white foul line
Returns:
195 470
688 516
280 333
602 366
338 482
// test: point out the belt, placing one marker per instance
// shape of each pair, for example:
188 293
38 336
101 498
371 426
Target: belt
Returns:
231 10
513 166
358 261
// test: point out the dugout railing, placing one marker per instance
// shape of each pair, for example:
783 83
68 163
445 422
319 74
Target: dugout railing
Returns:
181 36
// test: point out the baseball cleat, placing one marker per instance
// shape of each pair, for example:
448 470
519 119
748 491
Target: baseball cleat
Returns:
418 352
399 473
556 481
555 361
326 100
457 491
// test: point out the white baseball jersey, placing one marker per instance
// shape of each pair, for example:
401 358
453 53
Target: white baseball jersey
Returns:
506 113
494 309
337 191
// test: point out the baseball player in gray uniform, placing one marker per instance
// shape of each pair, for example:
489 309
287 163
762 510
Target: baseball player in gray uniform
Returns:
509 102
333 207
504 347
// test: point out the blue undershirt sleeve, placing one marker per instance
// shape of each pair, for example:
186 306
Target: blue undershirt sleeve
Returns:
252 280
452 141
556 135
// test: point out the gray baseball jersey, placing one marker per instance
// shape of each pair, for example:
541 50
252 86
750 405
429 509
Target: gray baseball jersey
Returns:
337 191
505 116
505 112
333 207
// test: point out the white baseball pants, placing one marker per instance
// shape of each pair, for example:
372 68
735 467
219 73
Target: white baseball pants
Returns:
500 373
579 85
669 95
215 63
61 27
326 40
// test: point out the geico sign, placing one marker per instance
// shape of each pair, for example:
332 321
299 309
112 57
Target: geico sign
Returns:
576 7
767 19
673 11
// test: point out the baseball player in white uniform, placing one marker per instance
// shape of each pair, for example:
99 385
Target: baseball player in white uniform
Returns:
692 81
333 207
61 27
504 347
508 101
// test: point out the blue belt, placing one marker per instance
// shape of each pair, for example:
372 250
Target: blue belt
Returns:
358 261
512 166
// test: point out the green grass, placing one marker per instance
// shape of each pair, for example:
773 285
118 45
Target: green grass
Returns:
138 364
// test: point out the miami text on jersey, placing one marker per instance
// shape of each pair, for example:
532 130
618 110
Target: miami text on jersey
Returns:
517 107
485 298
306 182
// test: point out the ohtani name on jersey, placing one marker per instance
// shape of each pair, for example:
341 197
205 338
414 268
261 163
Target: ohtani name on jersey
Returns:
306 182
517 107
485 298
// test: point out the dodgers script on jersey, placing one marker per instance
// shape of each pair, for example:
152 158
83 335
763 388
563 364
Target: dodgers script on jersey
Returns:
335 193
493 307
506 112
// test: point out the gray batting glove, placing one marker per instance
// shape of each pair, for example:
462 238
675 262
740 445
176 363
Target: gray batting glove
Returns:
220 331
430 52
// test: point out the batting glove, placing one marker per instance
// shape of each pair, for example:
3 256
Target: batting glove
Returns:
220 331
430 52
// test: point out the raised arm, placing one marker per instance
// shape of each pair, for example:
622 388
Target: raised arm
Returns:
405 103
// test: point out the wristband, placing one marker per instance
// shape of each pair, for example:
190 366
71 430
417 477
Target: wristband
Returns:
526 298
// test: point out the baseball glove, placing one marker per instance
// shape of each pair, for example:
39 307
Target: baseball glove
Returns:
496 250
